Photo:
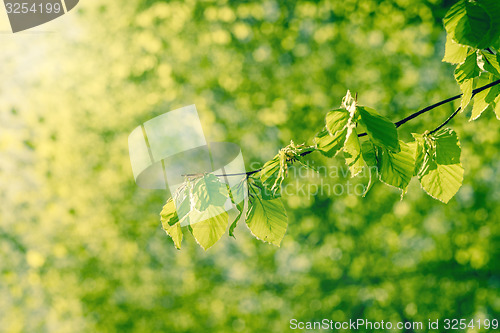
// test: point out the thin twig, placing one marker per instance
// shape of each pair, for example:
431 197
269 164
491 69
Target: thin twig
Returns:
446 121
433 106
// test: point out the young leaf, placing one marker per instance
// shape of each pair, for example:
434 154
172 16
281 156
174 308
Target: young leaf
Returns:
238 193
182 202
329 144
397 169
469 23
497 107
265 192
490 62
209 190
480 104
273 173
466 87
332 138
486 97
209 230
447 147
349 102
170 222
441 181
454 53
352 154
266 219
381 130
336 121
468 69
420 148
442 173
369 154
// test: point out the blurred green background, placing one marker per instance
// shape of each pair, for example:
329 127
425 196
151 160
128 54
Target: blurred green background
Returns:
81 245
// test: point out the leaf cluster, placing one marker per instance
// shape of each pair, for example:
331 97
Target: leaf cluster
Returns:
473 39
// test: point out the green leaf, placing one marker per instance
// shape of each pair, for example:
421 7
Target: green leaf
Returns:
273 173
485 98
236 220
454 53
442 172
209 190
349 102
381 130
466 87
175 232
336 121
492 94
332 138
469 23
369 153
420 148
497 107
480 104
327 144
441 182
468 69
238 190
266 219
265 192
352 154
182 201
170 222
168 214
397 169
490 62
492 8
210 229
447 147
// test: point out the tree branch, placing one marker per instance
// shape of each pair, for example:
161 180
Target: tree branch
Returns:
404 120
433 106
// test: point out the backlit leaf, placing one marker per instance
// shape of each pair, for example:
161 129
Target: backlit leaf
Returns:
381 130
266 219
396 169
454 53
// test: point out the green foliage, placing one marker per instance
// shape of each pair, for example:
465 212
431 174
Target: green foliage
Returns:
170 222
454 53
485 98
352 153
208 190
474 23
212 226
434 158
396 169
239 193
380 129
490 62
331 139
200 204
473 29
274 171
441 174
266 217
468 69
